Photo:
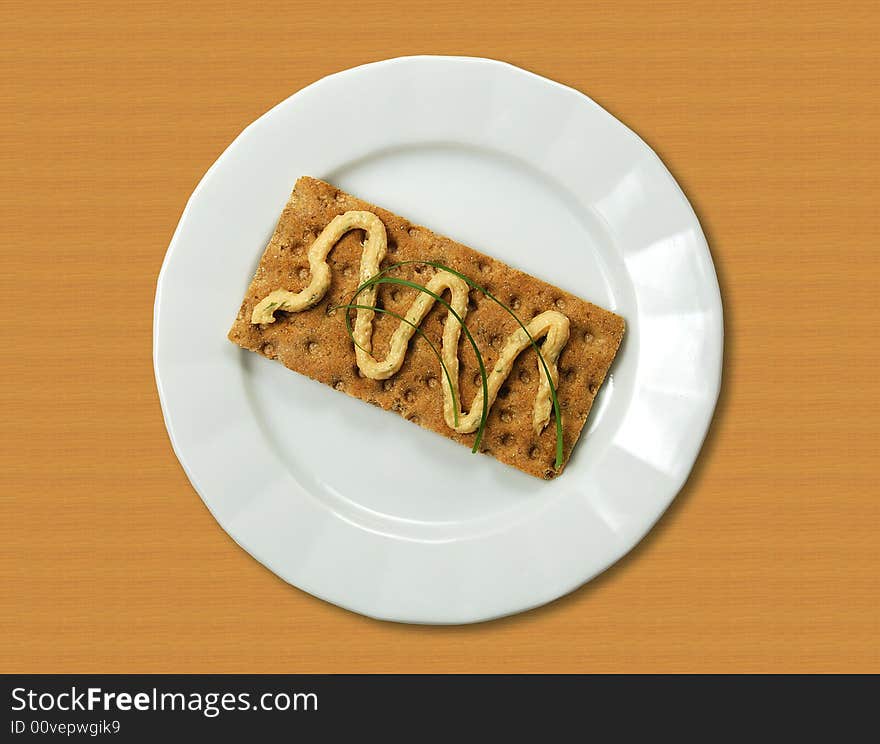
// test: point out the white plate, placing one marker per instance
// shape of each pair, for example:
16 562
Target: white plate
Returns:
359 507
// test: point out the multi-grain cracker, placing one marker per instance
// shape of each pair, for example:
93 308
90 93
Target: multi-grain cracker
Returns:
315 342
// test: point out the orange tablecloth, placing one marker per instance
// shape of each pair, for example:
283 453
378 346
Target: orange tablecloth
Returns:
766 113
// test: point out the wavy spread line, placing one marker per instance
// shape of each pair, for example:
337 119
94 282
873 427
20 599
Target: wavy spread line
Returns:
550 325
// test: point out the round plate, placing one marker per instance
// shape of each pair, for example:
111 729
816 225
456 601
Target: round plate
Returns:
359 507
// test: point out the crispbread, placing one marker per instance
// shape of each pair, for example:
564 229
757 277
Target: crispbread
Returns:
315 342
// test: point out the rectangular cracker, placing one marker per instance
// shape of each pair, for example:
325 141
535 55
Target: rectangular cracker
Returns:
315 342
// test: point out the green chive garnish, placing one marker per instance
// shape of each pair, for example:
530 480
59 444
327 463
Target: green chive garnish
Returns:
417 330
473 284
380 279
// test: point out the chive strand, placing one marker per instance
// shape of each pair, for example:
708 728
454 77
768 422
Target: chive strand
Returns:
474 285
553 397
417 330
377 279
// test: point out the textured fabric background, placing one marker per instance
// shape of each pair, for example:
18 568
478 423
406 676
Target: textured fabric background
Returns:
766 113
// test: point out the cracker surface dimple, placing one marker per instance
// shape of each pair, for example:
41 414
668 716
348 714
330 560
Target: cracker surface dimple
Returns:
315 342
